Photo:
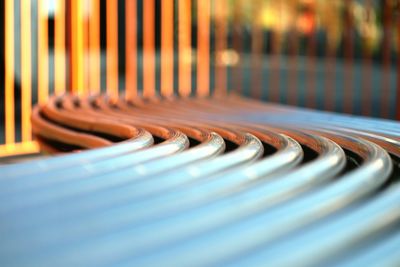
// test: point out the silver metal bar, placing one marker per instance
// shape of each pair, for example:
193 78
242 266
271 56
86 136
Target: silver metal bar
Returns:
285 159
378 216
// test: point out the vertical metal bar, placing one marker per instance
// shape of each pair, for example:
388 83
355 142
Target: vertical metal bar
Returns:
348 30
76 35
149 85
26 89
349 54
311 91
43 57
275 64
68 45
366 99
86 48
220 46
9 73
59 49
94 46
184 44
112 48
238 44
330 91
292 94
131 48
398 68
203 47
386 51
167 48
256 49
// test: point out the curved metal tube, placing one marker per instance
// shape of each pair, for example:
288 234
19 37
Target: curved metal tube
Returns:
181 205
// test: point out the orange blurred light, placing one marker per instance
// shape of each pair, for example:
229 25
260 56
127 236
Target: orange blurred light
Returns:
94 46
203 46
28 147
59 49
148 48
26 90
306 24
43 55
167 48
9 72
131 48
185 52
112 48
77 47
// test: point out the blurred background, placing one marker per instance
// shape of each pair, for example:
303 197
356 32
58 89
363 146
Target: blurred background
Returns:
336 55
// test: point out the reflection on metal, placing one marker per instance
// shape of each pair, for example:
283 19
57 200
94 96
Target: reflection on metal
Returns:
176 181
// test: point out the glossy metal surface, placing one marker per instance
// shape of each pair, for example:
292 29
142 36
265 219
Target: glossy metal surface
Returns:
228 181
